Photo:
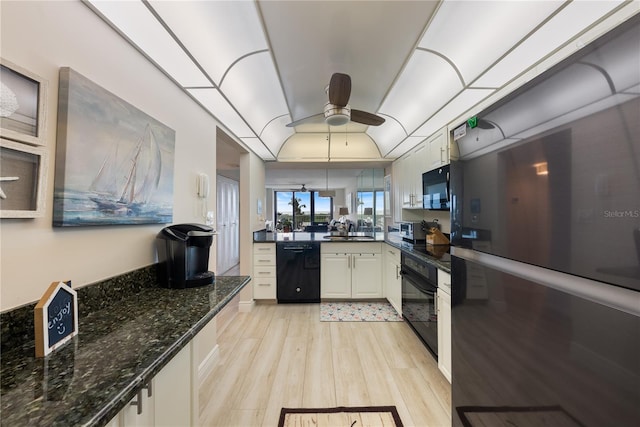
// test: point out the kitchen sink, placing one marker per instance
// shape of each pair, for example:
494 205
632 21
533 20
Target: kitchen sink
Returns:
350 238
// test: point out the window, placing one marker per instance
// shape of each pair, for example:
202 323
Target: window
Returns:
370 210
302 209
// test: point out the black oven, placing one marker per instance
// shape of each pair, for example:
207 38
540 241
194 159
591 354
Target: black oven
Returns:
419 287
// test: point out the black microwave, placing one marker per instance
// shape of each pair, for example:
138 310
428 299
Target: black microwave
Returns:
435 189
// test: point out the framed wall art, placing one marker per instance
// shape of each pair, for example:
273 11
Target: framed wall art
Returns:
114 163
22 180
22 104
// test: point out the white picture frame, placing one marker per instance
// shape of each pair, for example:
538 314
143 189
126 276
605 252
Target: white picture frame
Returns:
23 180
22 104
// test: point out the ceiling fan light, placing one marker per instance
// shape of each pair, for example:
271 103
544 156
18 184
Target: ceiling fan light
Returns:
336 116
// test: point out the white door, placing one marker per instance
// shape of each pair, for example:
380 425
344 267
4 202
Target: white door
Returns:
366 276
228 216
335 276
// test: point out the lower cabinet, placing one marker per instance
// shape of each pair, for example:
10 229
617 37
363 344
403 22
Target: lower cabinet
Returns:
264 271
171 398
444 325
392 278
351 270
165 400
173 391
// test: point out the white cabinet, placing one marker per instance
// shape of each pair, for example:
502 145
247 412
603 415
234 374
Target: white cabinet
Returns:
437 150
172 391
396 190
165 401
413 165
366 275
264 271
392 278
444 324
335 275
140 410
350 270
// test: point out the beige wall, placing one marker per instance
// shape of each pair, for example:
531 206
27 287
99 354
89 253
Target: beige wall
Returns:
42 37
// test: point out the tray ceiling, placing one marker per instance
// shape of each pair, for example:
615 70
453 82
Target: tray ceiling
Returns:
257 66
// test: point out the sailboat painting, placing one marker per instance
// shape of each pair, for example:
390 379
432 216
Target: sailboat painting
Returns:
114 163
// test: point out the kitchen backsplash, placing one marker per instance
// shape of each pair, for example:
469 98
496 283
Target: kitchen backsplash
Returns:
418 215
17 324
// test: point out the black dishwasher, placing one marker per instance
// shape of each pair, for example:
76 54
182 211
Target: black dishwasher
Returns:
298 272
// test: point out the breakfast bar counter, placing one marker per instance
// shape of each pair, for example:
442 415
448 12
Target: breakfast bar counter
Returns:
120 348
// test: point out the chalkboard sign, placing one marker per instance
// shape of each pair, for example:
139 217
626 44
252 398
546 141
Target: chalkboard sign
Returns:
56 318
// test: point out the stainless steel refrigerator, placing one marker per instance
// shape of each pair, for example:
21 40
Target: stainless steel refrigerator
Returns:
545 202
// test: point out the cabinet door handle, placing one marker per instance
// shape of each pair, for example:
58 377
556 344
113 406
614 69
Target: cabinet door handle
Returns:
397 271
138 402
441 151
149 389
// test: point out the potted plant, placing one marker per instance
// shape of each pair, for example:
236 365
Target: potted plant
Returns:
286 225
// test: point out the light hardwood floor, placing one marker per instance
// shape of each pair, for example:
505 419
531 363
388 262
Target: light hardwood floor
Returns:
281 355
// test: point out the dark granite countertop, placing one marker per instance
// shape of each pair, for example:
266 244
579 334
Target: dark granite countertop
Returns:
442 264
297 236
119 348
301 236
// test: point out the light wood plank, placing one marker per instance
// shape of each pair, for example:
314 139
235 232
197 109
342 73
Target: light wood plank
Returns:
289 379
420 399
281 355
254 391
319 385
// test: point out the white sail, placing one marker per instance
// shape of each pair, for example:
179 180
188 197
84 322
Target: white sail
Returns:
130 181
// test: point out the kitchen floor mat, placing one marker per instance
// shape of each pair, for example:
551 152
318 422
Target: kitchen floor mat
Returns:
374 416
358 311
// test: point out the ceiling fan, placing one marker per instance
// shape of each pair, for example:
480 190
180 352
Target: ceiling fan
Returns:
337 111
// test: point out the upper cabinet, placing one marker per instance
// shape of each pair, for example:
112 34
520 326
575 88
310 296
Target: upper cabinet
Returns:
412 167
437 150
408 169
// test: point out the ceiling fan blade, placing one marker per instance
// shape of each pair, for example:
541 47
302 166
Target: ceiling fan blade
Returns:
339 89
366 118
309 119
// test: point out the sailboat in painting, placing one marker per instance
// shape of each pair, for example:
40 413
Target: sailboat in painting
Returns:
125 182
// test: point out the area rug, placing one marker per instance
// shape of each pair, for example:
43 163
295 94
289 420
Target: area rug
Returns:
358 311
369 416
471 416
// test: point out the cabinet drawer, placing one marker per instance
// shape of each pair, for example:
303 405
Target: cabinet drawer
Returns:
264 271
264 248
260 259
264 288
444 279
351 248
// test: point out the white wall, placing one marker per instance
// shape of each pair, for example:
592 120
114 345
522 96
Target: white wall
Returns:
42 37
252 189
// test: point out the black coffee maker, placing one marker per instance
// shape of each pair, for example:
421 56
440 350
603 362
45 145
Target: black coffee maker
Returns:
183 255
